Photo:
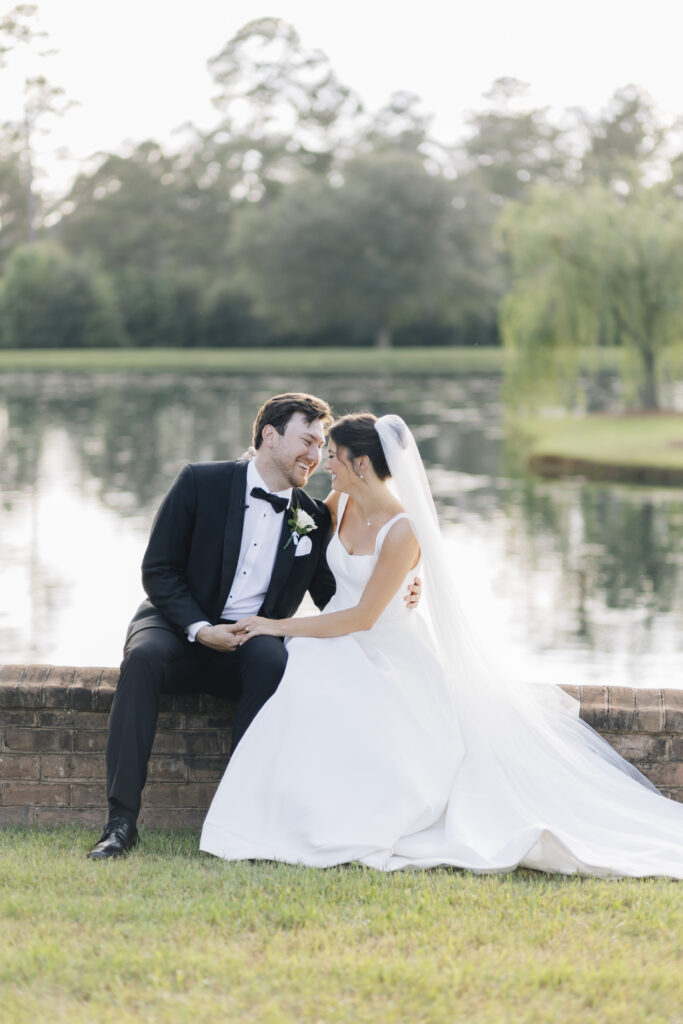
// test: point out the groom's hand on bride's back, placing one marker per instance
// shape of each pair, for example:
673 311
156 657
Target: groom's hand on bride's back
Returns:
413 593
222 637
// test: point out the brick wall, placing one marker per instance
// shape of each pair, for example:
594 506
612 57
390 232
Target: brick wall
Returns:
53 733
53 730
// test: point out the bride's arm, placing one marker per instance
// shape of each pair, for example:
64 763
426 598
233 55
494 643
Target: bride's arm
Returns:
399 554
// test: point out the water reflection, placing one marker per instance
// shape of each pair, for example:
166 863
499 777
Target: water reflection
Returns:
573 582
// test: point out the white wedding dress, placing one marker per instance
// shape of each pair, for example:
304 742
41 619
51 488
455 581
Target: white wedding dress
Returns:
363 754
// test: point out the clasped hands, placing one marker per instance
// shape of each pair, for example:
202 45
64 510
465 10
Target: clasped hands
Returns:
228 636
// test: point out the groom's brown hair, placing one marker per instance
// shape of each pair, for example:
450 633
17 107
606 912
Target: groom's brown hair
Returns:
279 409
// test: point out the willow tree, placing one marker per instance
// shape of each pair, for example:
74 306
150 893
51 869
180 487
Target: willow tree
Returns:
590 270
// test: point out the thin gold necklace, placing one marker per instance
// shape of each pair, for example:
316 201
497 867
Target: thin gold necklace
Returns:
368 520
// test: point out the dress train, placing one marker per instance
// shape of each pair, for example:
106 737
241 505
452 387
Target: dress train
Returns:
363 755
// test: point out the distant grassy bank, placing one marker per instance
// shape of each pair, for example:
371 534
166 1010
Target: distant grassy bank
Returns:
256 360
645 448
422 360
171 935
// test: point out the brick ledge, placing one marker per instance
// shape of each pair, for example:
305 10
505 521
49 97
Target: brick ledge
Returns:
53 727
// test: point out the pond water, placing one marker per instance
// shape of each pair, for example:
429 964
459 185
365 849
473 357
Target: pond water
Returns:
570 582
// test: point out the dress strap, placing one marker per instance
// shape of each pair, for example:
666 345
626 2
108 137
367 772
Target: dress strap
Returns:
383 530
341 506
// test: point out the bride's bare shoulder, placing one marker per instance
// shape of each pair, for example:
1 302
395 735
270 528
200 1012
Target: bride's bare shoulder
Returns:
401 542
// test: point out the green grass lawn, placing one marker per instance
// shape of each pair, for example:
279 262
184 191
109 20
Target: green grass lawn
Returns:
172 935
645 448
265 360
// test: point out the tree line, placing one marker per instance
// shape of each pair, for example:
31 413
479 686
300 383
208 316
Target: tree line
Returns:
303 216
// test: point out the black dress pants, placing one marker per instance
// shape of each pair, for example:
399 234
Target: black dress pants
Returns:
156 661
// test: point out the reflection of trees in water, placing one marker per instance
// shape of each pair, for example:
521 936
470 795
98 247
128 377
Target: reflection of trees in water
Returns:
638 539
139 437
616 546
133 433
21 441
47 589
22 432
130 434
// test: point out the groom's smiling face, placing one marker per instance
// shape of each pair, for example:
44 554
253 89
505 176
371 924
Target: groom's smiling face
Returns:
295 454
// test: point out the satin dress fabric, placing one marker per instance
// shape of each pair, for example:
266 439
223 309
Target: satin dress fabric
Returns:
360 756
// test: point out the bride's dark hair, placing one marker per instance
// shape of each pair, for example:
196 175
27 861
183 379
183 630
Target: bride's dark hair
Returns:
356 433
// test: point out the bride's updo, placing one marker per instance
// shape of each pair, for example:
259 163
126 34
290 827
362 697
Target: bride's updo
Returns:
356 433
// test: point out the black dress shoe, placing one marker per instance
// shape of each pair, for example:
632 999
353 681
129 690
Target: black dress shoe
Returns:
119 837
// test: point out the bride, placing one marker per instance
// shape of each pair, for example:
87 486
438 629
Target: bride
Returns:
392 741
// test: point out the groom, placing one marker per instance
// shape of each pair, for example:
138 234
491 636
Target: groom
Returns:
226 542
221 547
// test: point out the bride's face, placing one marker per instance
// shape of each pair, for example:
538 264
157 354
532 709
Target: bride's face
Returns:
340 469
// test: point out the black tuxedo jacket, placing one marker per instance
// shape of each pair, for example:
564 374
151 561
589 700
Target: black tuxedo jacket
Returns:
191 558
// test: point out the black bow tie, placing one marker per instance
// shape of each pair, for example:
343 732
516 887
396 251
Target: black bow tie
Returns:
278 503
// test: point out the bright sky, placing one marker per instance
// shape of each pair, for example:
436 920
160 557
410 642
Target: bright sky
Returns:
138 67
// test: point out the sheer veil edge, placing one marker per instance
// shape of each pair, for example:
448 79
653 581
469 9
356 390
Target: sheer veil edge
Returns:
522 724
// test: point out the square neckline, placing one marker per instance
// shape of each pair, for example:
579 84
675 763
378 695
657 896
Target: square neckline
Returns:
340 518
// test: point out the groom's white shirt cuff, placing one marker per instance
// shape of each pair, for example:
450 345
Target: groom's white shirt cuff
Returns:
192 630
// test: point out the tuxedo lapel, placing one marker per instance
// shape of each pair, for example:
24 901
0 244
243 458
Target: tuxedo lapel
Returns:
234 525
283 559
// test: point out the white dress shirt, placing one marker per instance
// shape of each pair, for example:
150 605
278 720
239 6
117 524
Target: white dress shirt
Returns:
260 536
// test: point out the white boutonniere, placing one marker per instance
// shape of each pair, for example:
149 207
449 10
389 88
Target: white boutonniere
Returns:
300 523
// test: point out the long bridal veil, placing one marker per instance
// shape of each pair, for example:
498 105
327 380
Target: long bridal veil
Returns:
476 684
536 785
